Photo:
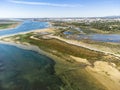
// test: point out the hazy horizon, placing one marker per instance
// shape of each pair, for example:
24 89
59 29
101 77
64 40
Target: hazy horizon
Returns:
58 9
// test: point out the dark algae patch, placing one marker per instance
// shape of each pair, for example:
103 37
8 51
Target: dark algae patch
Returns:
26 70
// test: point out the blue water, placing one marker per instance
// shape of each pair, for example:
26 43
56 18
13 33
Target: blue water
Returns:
25 26
68 33
25 69
105 37
96 37
102 37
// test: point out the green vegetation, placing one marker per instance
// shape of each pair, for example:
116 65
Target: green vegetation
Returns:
60 31
79 79
100 25
62 47
4 26
106 26
66 73
115 47
73 75
93 27
59 24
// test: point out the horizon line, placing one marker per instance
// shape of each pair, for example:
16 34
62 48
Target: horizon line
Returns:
66 17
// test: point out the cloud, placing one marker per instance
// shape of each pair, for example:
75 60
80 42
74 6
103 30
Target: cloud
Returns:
43 3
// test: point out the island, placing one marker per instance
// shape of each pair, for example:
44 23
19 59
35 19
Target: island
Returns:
8 24
84 58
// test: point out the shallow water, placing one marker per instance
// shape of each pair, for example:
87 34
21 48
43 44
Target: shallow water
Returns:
96 37
25 26
102 37
106 37
26 70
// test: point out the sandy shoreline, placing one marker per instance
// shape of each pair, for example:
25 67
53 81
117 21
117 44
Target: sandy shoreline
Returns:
109 80
72 42
105 73
37 30
14 25
84 45
30 47
26 46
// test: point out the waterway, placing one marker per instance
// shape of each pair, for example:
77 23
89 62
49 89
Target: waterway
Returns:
22 69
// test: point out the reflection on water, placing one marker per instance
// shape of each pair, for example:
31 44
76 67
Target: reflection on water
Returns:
26 70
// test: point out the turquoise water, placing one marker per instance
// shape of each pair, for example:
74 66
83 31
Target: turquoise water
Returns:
25 26
26 70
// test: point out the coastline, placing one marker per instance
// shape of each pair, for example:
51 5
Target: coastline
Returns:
71 42
36 30
15 25
30 47
84 45
95 71
85 63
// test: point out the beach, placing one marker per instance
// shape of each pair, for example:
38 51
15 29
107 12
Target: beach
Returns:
72 60
12 26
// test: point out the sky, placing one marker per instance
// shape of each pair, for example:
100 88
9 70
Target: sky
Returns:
58 8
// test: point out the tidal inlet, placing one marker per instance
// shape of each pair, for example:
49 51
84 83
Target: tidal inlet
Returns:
59 45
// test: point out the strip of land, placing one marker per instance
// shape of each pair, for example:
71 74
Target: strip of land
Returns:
80 65
6 26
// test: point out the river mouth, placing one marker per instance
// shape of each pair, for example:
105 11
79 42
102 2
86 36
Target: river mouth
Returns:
26 70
